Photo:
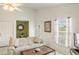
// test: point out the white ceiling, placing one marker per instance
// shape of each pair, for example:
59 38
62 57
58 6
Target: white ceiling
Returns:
39 5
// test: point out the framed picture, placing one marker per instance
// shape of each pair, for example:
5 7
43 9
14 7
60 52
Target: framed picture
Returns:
47 26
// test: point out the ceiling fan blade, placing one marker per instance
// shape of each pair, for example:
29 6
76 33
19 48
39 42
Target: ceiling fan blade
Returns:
16 4
18 9
1 3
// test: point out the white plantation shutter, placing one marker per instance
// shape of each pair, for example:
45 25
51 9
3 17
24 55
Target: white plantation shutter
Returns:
6 32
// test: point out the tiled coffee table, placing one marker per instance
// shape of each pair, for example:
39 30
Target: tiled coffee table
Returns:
42 50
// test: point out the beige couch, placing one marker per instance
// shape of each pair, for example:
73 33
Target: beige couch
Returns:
24 44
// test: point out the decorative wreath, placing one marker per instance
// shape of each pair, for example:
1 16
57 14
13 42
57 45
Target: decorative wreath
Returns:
20 27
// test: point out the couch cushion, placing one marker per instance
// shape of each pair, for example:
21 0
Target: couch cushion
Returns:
21 48
37 40
24 41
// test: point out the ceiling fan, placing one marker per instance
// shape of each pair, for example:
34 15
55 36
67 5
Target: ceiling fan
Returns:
11 6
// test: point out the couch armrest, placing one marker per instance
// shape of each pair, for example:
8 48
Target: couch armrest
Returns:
12 50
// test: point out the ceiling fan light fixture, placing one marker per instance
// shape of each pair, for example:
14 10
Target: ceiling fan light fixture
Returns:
10 7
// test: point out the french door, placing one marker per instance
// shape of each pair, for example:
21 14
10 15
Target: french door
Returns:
62 30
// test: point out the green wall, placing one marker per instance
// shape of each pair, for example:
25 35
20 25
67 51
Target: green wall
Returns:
25 31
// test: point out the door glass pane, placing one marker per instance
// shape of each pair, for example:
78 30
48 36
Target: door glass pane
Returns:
62 32
62 25
62 38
